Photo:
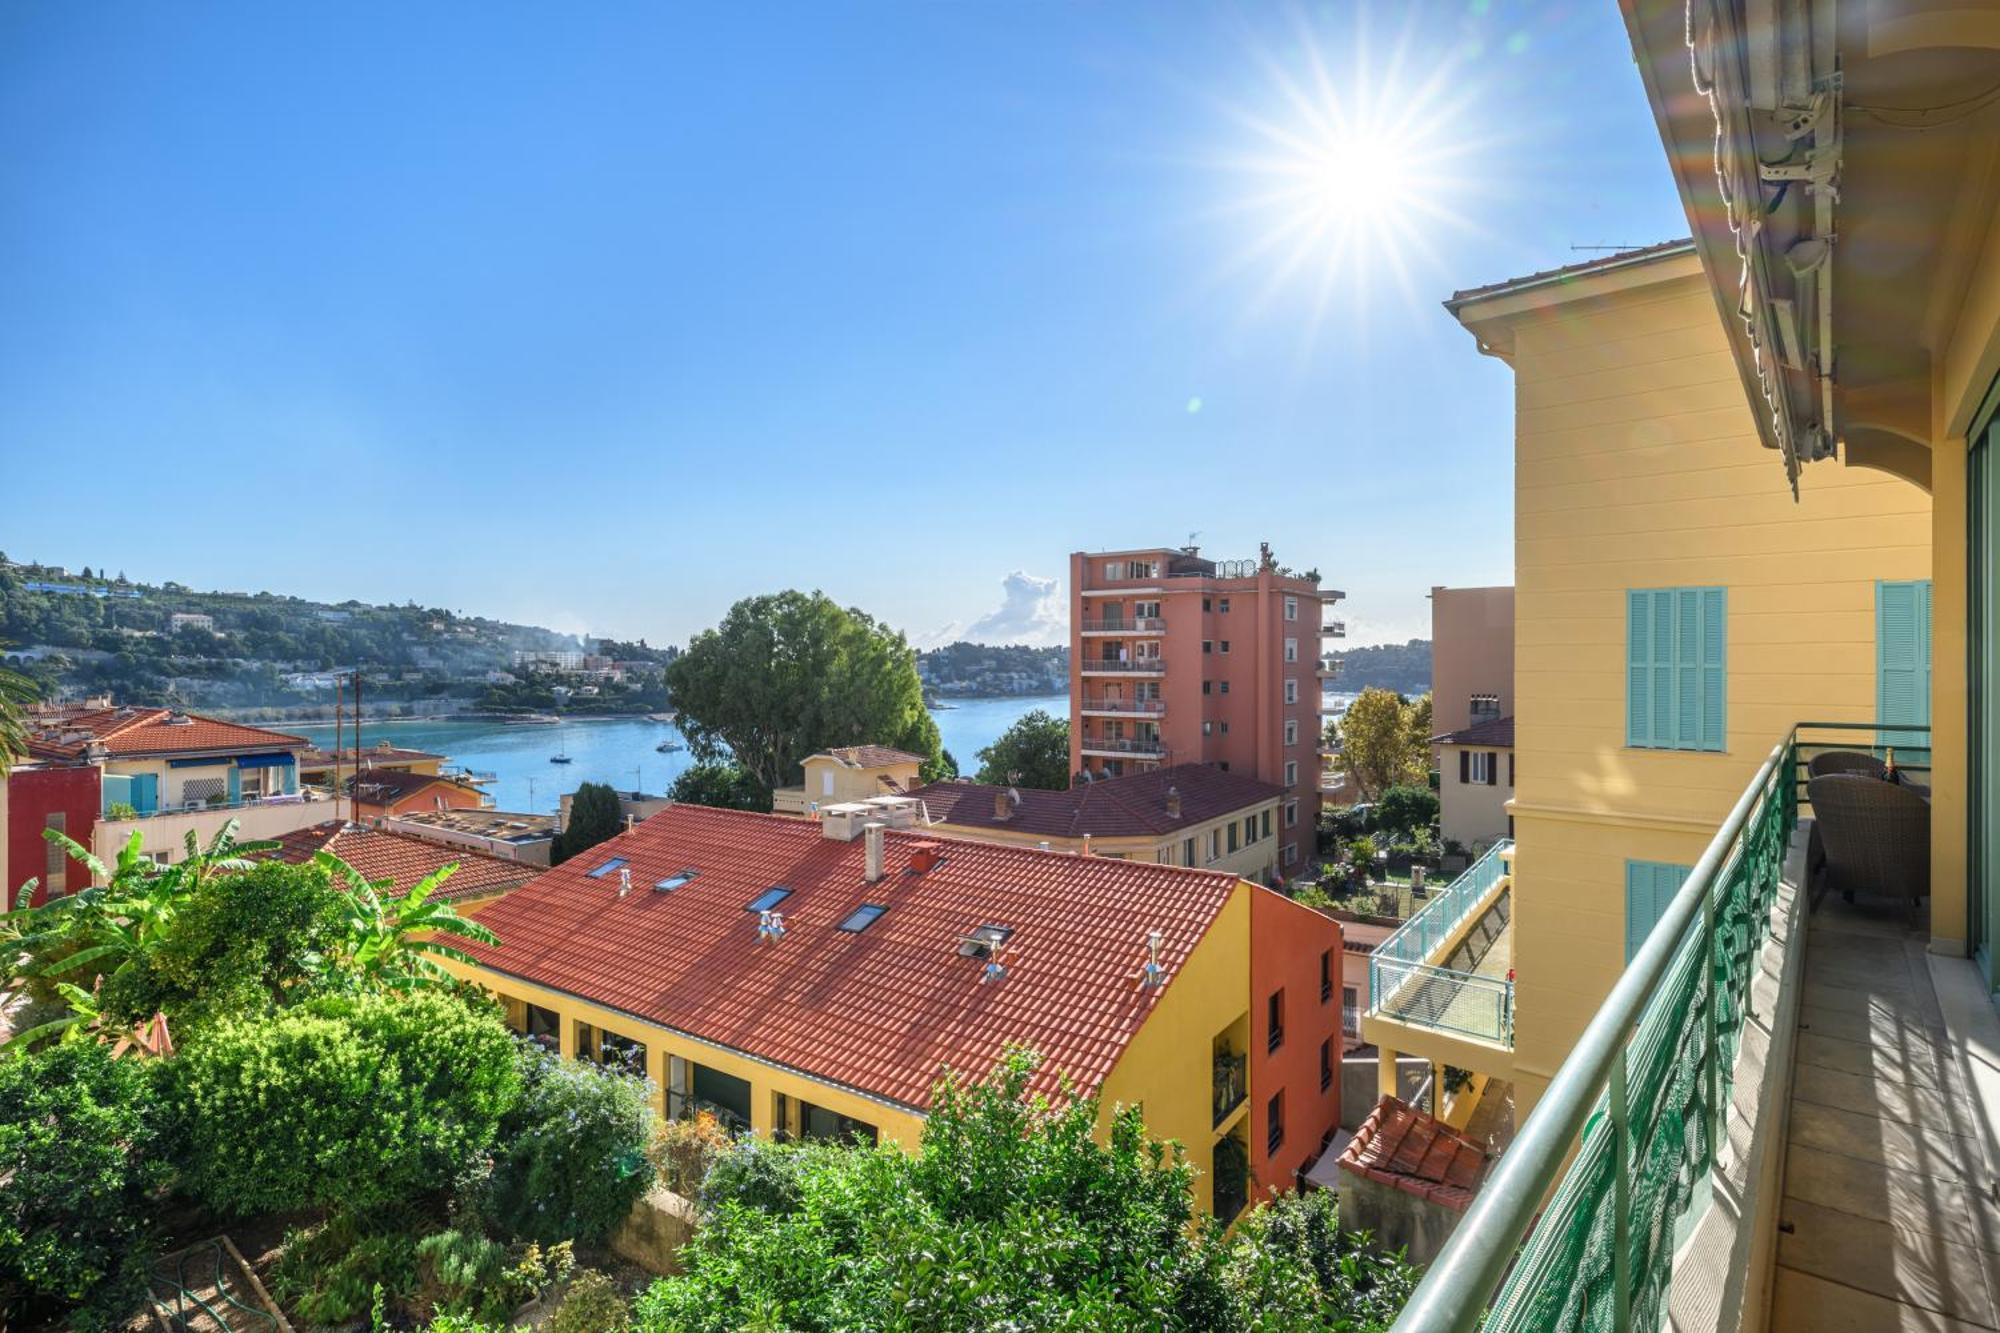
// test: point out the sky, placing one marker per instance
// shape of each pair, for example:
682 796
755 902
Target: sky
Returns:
603 316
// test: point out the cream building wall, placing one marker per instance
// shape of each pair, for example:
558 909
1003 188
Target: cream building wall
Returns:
1637 465
1471 812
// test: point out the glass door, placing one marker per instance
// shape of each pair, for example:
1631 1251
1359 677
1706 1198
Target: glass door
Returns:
1983 669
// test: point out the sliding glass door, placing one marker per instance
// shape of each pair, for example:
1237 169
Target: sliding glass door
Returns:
1983 642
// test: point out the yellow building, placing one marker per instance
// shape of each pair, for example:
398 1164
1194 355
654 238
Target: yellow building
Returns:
1182 815
816 978
848 773
331 769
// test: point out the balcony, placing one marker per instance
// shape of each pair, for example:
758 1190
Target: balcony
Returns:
1333 629
1447 968
1773 1121
1327 667
1120 625
1090 707
1144 747
1140 666
1231 1084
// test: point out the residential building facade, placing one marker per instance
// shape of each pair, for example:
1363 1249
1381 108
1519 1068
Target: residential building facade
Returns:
1476 784
41 795
848 773
815 978
1179 659
1472 656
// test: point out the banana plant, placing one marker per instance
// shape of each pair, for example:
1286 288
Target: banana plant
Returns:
395 941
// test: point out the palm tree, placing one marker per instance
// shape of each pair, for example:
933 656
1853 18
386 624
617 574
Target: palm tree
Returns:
393 942
16 693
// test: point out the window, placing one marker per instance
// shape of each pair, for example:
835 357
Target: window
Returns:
1485 707
1146 610
1649 887
1291 772
672 882
1274 1019
1187 852
1291 854
1232 835
1676 680
1291 731
55 866
1249 829
1223 727
1207 646
1274 1119
615 863
1476 767
1291 608
768 899
1207 727
1350 1011
1214 843
1224 687
984 941
1325 975
1291 690
1265 823
1510 768
1223 644
1903 661
1325 1065
1207 605
1207 686
1222 605
1291 650
1291 814
863 917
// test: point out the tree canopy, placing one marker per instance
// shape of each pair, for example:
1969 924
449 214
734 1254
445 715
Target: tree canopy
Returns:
1034 752
594 815
725 786
788 674
1385 741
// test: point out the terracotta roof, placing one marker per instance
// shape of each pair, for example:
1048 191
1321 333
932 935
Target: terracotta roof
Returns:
128 733
511 826
1497 732
882 1010
1133 806
1406 1149
380 854
1568 271
870 756
315 757
387 786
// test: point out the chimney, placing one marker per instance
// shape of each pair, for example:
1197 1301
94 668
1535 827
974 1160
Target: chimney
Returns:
1002 807
624 880
871 837
1086 844
1173 803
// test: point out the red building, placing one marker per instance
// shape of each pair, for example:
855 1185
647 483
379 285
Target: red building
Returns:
1295 1037
64 797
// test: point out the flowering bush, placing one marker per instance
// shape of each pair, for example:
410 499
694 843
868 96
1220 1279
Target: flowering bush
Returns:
683 1150
571 1154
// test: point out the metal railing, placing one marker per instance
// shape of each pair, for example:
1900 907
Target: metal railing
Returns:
299 797
1333 629
1124 625
1124 744
1150 707
1444 1000
1328 666
1425 933
1640 1099
1231 1084
1149 666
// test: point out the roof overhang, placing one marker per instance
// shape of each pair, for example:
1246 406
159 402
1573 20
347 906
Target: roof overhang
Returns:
1837 166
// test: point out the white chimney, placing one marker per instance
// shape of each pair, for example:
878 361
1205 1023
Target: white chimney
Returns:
871 839
1086 844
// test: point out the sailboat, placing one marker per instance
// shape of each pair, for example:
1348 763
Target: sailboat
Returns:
559 757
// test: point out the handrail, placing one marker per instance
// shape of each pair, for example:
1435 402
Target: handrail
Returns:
1144 665
1124 745
1416 939
1455 1293
1426 996
1147 706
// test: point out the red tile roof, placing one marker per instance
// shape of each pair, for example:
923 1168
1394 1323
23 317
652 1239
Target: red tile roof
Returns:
380 854
315 757
1497 732
1133 806
871 756
386 786
882 1011
1407 1149
1567 272
130 733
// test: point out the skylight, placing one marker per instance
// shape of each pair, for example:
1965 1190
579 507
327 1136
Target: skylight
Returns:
863 916
615 863
672 882
984 941
769 898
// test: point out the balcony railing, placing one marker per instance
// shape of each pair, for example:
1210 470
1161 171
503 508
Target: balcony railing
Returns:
1145 707
299 797
1640 1099
1125 744
1445 1000
1147 666
1329 666
1419 938
1333 629
1231 1084
1124 625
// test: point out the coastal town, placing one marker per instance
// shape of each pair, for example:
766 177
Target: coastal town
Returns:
1613 951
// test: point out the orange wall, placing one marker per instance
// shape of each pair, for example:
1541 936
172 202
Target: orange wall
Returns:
421 802
1286 941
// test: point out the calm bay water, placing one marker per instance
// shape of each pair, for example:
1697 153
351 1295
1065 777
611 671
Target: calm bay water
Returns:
620 751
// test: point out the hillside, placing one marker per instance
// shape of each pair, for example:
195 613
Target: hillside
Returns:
1402 667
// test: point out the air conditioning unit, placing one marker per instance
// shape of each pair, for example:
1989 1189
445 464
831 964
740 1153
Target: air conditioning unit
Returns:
842 822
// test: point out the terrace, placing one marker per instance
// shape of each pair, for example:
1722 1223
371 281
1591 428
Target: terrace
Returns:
1779 1118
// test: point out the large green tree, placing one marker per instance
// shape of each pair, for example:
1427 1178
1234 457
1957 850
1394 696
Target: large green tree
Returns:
594 815
1385 741
725 786
791 673
1034 752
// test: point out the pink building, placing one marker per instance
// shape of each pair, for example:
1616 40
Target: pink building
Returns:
1177 659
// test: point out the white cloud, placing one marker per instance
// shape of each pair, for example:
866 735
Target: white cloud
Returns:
1032 610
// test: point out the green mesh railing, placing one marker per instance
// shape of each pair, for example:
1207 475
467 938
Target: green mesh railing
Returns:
1640 1098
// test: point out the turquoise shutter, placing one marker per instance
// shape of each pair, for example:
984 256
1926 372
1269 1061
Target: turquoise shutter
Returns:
146 792
1713 669
1903 660
1639 639
1676 668
1649 887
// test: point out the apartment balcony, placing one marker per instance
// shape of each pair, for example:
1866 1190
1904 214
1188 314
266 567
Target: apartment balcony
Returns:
1139 666
1090 707
1230 1086
1780 1118
1125 747
1327 667
1333 629
1114 625
1448 970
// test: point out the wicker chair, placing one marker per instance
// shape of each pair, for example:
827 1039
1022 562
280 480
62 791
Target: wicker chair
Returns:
1876 837
1845 761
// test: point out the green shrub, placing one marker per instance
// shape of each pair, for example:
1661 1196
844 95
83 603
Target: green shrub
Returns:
79 1156
571 1154
593 1304
330 1274
464 1273
1403 810
341 1102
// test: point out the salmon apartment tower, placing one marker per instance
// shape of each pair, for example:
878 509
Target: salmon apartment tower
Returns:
1178 659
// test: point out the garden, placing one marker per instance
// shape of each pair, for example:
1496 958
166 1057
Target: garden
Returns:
274 1054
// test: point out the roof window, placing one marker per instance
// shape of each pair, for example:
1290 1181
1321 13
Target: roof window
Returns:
769 898
984 941
863 917
672 882
615 863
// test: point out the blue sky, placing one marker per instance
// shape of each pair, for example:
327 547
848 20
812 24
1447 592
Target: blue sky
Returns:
602 316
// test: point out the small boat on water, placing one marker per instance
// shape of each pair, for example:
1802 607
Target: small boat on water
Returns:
559 759
668 747
561 756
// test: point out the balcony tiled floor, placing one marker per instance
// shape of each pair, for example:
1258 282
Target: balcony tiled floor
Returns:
1887 1221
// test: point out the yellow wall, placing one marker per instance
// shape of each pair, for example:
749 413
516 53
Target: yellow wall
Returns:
1637 465
1473 813
852 784
1166 1067
1250 861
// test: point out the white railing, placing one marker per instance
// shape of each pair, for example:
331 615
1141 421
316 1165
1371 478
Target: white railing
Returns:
1121 625
1144 666
1151 707
1123 745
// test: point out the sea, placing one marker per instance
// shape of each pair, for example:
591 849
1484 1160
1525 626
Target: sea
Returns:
622 752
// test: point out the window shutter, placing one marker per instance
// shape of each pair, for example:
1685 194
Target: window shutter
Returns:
1649 887
1492 768
1464 766
1714 733
1638 668
1903 660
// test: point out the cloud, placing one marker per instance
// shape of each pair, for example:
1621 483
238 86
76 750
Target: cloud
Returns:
1032 610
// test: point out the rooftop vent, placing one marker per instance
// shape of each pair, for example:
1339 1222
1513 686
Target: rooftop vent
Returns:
842 822
179 719
770 926
1173 803
624 880
1151 974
